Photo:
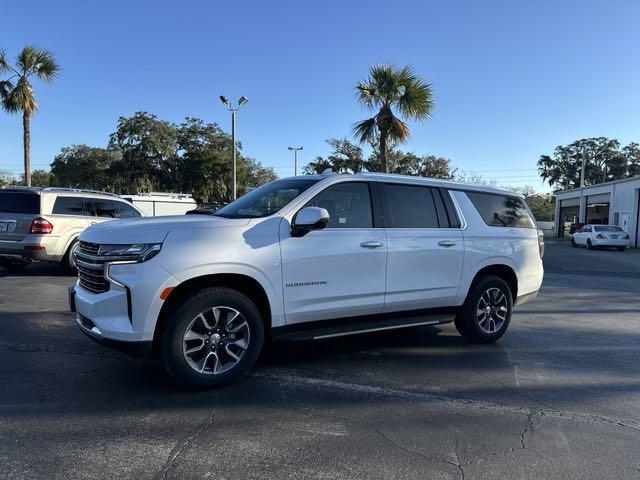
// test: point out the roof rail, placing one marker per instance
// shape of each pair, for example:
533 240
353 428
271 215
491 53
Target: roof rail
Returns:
20 187
163 194
79 190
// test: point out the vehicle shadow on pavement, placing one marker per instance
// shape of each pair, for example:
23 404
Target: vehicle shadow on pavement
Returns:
43 356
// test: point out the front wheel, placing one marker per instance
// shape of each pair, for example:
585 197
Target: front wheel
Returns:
621 249
486 313
589 244
213 338
573 242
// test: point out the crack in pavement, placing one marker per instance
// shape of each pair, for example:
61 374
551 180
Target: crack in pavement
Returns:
408 451
180 449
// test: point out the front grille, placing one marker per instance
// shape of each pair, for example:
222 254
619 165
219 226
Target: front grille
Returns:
91 267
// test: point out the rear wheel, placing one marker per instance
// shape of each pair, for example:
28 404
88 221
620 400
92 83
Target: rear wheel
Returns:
486 313
589 244
212 338
69 260
621 249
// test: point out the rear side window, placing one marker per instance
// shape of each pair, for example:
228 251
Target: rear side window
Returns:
409 206
348 204
126 211
501 210
103 208
68 206
18 202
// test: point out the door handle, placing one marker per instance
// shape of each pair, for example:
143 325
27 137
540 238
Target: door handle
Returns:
371 244
446 243
93 223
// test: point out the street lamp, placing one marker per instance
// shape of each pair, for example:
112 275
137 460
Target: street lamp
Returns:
295 159
241 101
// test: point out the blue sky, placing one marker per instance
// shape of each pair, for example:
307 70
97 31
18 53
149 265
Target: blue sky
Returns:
512 79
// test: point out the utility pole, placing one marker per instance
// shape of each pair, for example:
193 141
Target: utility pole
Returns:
233 111
295 159
582 218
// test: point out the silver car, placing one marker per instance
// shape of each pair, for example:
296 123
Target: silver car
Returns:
43 224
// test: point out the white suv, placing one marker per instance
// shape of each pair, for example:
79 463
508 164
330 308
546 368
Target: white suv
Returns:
43 224
313 257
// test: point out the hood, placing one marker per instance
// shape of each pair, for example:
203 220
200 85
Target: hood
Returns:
152 229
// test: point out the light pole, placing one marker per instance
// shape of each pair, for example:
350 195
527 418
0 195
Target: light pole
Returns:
241 101
295 159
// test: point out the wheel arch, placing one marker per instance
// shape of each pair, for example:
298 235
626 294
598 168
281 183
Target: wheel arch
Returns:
500 270
240 282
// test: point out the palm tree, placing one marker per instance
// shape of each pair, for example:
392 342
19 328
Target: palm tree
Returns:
16 92
385 89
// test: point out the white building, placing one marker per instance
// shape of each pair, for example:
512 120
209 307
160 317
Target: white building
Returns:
612 203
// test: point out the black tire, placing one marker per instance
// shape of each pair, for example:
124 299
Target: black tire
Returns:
573 242
467 321
589 244
621 249
183 314
67 262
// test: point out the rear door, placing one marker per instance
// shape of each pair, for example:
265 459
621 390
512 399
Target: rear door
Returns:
17 211
425 247
69 218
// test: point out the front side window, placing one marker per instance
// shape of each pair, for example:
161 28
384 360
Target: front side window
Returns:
409 206
68 206
124 210
265 200
348 204
501 210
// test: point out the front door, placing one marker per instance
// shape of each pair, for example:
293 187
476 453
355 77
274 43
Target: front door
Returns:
338 271
425 248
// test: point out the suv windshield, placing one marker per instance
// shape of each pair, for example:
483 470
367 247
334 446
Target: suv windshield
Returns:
265 200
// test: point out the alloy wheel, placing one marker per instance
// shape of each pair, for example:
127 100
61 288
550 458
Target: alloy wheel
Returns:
216 340
492 310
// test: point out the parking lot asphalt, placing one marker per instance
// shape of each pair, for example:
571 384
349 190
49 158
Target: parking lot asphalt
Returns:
557 397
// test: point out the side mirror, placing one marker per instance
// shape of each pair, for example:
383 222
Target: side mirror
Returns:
307 219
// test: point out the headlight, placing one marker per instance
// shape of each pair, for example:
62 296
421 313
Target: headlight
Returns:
139 252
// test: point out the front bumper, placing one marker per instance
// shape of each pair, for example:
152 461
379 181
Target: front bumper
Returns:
129 310
135 349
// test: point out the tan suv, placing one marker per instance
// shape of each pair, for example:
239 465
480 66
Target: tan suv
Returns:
43 224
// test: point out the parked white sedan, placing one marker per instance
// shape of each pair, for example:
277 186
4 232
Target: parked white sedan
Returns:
594 236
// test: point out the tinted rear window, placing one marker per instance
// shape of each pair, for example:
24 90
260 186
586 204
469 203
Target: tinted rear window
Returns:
126 211
68 206
501 210
608 228
409 207
18 202
104 208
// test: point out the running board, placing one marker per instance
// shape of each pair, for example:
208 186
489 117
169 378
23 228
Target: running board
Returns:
360 327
